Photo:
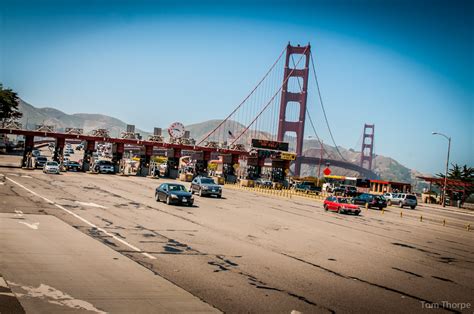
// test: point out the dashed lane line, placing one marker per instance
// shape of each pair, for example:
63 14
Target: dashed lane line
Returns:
84 220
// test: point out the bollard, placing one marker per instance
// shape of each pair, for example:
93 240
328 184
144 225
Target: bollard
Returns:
367 206
468 227
401 214
444 222
382 211
421 218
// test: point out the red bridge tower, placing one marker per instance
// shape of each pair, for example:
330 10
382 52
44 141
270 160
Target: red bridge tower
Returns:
366 153
287 97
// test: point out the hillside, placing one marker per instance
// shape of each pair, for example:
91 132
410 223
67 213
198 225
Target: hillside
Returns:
386 167
33 116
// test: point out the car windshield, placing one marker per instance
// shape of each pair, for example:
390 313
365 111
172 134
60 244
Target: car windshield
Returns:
176 187
41 158
207 181
51 163
106 163
411 197
343 200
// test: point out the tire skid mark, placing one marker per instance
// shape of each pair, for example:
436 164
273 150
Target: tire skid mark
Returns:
441 305
408 272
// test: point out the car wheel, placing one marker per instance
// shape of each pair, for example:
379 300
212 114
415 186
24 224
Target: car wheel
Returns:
325 207
401 204
157 197
168 200
389 203
340 210
412 207
219 196
357 213
192 191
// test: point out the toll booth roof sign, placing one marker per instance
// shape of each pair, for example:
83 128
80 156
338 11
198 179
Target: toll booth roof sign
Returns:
264 144
327 171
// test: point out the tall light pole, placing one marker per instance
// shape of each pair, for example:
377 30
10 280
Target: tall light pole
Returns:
447 165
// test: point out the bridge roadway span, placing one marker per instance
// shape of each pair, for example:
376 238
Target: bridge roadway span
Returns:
247 252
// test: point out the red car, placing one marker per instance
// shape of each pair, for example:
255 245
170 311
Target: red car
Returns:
340 205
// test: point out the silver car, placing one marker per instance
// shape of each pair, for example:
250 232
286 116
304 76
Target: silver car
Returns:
51 167
403 200
205 186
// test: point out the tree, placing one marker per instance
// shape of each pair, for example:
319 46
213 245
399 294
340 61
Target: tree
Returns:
9 102
457 172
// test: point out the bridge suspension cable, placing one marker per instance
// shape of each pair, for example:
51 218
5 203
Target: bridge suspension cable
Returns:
311 119
270 101
324 110
239 114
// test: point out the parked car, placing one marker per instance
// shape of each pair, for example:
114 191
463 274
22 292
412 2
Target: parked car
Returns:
341 205
389 197
51 167
173 193
73 166
40 161
205 186
263 183
104 166
370 200
35 153
307 187
403 199
79 147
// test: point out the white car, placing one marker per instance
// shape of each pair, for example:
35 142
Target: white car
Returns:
51 167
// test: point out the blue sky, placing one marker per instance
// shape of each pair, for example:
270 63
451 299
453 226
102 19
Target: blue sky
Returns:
406 66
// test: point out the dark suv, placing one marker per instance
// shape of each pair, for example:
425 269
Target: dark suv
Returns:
40 161
370 200
345 190
205 186
307 187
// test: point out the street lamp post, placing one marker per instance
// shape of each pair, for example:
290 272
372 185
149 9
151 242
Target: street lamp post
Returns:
447 165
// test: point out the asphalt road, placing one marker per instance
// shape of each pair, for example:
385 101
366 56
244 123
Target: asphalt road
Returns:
253 252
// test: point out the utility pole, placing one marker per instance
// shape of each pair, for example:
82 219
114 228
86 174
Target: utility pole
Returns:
447 165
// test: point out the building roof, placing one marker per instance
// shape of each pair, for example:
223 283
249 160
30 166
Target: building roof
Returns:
451 184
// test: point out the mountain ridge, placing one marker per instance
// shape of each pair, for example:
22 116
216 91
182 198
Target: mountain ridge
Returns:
387 168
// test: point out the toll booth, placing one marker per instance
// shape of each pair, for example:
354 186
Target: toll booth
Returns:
172 163
86 160
145 158
58 150
117 155
200 160
230 163
26 161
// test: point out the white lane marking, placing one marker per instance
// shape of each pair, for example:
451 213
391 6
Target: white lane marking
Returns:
33 226
19 213
55 296
90 204
25 176
84 220
2 183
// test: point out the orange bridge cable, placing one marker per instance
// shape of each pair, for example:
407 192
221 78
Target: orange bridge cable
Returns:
322 106
310 119
271 100
246 98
